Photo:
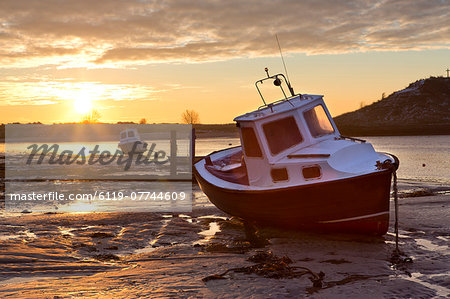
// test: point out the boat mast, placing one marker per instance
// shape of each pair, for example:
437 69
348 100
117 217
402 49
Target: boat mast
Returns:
288 82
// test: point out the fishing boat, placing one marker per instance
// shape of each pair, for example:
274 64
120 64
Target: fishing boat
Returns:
295 170
131 141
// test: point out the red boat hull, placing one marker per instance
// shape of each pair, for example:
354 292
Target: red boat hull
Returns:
356 205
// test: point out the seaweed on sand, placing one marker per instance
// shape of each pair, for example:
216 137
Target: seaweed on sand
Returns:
271 266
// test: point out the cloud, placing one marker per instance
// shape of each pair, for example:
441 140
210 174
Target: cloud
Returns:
32 91
117 32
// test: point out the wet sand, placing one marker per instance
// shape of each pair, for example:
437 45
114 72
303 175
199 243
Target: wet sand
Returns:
129 255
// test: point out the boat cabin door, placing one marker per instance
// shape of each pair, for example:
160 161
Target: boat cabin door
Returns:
254 158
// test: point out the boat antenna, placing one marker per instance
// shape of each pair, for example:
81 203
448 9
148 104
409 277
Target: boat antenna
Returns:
285 68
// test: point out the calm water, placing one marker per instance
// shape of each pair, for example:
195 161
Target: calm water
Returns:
423 159
424 163
18 155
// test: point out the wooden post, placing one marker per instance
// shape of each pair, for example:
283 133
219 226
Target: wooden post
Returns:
173 153
193 146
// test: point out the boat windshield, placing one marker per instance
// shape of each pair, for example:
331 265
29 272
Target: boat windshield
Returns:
282 134
130 133
123 135
318 122
251 145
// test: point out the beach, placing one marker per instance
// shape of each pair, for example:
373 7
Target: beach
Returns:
207 254
130 255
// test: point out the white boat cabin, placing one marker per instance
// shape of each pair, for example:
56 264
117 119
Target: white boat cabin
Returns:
128 138
129 135
296 140
273 136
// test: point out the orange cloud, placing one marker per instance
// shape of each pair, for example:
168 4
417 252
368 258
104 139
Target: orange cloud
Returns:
115 32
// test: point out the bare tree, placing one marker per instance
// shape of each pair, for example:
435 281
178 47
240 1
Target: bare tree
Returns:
143 121
91 117
190 117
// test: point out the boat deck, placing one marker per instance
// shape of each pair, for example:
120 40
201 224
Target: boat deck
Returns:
237 175
229 168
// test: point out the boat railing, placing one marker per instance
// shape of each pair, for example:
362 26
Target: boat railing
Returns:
270 105
341 137
277 82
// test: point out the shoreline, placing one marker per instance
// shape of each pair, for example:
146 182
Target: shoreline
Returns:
206 131
148 254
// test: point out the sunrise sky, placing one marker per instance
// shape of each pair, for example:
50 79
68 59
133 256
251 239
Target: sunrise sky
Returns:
154 59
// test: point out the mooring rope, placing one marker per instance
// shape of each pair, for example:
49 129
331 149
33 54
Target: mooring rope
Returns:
393 166
396 258
394 174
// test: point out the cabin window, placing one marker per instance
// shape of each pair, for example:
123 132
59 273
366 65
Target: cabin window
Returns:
318 122
311 172
279 174
282 134
123 135
130 134
251 145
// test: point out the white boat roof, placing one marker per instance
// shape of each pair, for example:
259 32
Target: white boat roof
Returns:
284 105
126 130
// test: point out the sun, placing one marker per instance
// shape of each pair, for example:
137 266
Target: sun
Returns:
83 104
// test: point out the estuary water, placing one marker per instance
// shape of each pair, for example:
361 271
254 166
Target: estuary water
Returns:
424 164
424 160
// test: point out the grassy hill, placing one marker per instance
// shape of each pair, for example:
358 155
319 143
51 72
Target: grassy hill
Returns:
422 108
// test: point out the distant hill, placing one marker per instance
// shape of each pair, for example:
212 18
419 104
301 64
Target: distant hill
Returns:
422 108
201 131
214 131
